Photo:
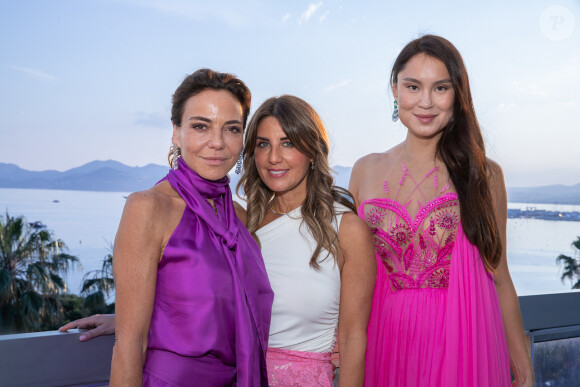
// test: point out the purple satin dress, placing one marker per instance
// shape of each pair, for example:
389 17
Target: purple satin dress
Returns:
213 300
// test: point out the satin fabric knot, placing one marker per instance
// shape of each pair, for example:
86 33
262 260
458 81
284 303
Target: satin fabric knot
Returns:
195 190
252 294
209 189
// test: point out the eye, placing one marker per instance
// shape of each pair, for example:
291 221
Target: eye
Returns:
287 144
442 88
234 129
262 144
413 87
199 126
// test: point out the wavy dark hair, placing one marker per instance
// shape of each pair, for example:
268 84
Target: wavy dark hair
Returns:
305 130
462 149
204 79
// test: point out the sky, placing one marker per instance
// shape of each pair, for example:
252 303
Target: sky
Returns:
93 79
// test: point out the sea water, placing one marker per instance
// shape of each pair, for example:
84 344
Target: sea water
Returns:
87 222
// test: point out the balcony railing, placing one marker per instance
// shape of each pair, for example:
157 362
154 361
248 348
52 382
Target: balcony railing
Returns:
552 322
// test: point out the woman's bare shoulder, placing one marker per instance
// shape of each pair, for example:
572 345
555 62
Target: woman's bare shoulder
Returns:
494 170
159 206
159 197
373 161
496 183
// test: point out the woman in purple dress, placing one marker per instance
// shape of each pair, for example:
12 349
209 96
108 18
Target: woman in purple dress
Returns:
193 299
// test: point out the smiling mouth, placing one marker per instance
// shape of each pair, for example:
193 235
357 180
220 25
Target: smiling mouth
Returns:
215 160
277 172
425 118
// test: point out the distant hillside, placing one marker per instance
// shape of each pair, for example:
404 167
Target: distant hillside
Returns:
550 194
113 176
95 176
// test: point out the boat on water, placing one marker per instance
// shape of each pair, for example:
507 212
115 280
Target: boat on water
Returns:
37 225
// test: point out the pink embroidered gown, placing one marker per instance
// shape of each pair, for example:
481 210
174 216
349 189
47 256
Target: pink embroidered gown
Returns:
435 319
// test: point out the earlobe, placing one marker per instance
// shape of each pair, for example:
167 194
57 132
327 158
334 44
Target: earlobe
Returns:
394 90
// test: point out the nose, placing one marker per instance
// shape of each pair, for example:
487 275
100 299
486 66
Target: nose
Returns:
216 140
274 156
426 101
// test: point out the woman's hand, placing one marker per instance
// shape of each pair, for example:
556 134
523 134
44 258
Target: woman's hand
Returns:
98 325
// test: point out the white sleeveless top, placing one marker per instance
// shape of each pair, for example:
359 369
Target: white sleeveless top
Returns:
306 300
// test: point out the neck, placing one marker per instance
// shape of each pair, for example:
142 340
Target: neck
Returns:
420 150
283 203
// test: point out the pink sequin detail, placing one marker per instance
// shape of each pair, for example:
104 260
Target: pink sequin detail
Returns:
432 230
415 252
447 219
375 216
401 233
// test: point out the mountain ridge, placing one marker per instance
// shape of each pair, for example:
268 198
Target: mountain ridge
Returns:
113 176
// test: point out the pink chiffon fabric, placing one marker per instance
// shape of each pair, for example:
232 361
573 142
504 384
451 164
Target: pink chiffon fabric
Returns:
288 368
438 336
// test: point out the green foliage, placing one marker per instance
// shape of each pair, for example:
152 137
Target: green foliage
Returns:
31 265
73 308
97 286
571 265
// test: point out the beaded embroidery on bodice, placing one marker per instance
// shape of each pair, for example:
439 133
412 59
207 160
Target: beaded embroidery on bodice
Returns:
415 250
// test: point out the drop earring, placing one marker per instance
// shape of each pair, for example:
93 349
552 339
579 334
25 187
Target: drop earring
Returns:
395 112
239 163
176 154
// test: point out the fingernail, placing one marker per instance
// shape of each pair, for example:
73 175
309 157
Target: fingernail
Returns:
82 338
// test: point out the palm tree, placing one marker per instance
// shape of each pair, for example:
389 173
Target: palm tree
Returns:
571 265
31 264
97 286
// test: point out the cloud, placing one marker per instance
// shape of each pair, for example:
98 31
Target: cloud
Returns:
37 74
154 120
286 17
310 11
530 89
338 85
507 106
323 16
230 13
558 83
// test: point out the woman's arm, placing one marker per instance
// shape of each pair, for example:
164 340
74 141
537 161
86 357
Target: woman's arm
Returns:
136 256
356 293
520 360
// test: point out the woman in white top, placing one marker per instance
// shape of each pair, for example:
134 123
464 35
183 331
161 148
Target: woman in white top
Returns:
317 251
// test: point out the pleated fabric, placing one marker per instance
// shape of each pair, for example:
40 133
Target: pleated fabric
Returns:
436 336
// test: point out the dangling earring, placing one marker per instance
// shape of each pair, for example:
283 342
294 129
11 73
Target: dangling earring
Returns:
176 154
239 163
396 112
312 164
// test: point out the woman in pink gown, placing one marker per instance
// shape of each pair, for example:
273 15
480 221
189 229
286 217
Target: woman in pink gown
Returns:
437 207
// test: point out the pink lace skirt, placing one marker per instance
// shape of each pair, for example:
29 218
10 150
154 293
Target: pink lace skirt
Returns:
287 368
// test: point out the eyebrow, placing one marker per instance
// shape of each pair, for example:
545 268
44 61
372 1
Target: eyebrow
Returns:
267 139
205 119
419 82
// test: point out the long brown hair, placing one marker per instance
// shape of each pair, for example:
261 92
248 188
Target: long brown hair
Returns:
462 149
305 130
